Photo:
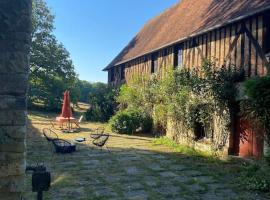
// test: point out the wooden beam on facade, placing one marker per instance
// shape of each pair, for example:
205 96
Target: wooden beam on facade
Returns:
258 49
234 42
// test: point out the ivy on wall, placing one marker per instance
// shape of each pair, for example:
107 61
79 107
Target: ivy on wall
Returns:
188 96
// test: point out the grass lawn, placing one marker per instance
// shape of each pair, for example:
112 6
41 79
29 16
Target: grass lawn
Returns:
137 167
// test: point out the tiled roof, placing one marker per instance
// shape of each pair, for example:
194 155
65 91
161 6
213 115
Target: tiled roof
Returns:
186 18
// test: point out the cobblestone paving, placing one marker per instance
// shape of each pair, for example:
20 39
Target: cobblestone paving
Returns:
133 169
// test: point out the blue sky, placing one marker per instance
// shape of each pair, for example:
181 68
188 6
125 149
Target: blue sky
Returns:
95 31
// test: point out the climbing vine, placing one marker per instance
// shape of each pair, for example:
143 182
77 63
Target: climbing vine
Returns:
188 96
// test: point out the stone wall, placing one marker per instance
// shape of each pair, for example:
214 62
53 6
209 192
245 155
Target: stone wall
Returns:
217 141
15 32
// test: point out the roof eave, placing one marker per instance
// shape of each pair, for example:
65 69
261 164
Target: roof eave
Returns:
190 36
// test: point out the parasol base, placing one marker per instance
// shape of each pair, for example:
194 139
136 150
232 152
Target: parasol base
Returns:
69 131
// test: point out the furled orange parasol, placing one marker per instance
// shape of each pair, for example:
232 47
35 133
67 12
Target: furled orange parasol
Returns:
66 109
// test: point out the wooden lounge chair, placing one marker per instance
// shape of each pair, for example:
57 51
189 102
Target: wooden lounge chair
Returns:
77 123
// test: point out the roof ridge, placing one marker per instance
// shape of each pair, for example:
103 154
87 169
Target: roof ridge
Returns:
186 18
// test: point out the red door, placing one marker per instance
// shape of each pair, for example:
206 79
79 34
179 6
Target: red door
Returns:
249 143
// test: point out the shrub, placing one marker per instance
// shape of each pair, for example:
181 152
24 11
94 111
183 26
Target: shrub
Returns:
146 123
185 96
102 102
257 107
130 121
255 177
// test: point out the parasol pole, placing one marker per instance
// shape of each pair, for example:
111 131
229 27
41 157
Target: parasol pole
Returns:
68 124
69 112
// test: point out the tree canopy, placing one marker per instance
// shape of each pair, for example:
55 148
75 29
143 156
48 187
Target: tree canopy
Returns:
102 102
51 68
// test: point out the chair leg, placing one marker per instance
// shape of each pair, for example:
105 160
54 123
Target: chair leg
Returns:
92 147
107 149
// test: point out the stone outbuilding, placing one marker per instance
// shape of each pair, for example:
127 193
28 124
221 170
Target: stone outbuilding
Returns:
15 37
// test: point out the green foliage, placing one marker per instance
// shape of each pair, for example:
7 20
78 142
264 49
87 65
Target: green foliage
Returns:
181 148
137 94
102 102
267 159
130 121
255 177
75 92
251 176
257 107
257 183
186 96
125 122
146 123
51 69
85 89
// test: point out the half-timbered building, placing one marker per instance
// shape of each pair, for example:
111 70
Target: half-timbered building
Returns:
232 32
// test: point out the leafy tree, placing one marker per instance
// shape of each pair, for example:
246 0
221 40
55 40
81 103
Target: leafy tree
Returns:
75 93
102 102
51 69
85 88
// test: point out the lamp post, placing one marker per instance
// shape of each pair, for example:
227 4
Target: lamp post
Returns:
41 179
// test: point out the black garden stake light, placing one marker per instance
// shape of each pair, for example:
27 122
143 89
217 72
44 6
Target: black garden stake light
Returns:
41 179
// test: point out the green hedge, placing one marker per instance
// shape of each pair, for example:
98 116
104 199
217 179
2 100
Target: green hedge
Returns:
131 121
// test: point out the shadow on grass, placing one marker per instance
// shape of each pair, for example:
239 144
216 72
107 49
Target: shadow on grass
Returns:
135 137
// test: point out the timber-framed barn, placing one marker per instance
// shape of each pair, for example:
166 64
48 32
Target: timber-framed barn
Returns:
232 32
